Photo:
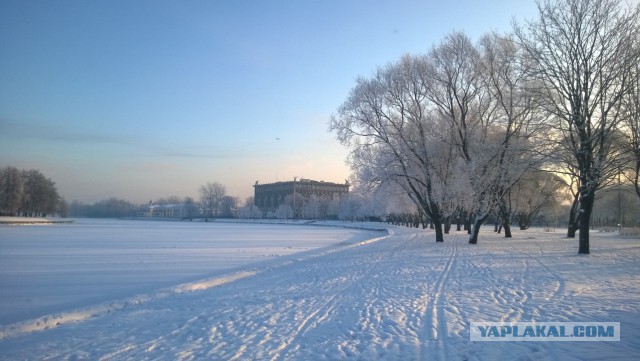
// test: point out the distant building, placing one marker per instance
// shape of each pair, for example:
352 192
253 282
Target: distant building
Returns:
167 211
268 197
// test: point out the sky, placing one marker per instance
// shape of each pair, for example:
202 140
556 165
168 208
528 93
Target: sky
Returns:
146 99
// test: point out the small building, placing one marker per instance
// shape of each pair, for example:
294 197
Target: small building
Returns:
165 211
268 197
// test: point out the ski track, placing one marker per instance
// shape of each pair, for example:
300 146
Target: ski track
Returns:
432 346
398 297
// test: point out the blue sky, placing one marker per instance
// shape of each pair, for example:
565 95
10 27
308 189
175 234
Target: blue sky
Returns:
147 99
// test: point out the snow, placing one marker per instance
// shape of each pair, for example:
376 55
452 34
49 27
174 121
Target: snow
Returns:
31 220
53 268
394 296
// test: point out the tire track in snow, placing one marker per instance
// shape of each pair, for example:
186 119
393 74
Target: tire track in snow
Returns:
554 292
273 332
559 291
432 345
319 314
315 317
384 314
513 295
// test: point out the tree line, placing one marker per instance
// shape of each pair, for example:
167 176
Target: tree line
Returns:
213 202
460 129
28 193
535 199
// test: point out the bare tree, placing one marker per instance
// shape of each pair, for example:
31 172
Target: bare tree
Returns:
536 190
228 206
583 54
11 190
40 194
453 128
631 128
481 93
386 122
455 89
211 195
515 118
249 202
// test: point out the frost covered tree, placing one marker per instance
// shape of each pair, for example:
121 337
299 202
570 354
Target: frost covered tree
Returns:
513 121
367 201
284 211
249 209
350 208
482 93
583 53
310 207
454 128
455 88
386 123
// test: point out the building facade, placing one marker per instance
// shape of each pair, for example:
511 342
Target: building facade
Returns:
268 197
165 211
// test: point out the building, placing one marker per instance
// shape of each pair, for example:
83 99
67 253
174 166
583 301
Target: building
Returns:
268 197
168 211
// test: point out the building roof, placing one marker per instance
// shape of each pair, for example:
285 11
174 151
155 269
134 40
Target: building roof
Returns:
305 181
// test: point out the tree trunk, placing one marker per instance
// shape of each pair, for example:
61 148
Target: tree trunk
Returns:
467 223
574 219
475 229
438 227
507 230
447 225
505 216
636 180
586 207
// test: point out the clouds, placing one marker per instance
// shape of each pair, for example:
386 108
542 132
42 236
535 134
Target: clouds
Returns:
63 136
27 131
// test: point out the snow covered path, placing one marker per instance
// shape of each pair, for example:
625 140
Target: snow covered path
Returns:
401 297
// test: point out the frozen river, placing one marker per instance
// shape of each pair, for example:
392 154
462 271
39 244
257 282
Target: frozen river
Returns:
54 268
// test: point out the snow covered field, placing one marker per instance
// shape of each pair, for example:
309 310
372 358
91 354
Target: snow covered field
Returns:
395 297
53 268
